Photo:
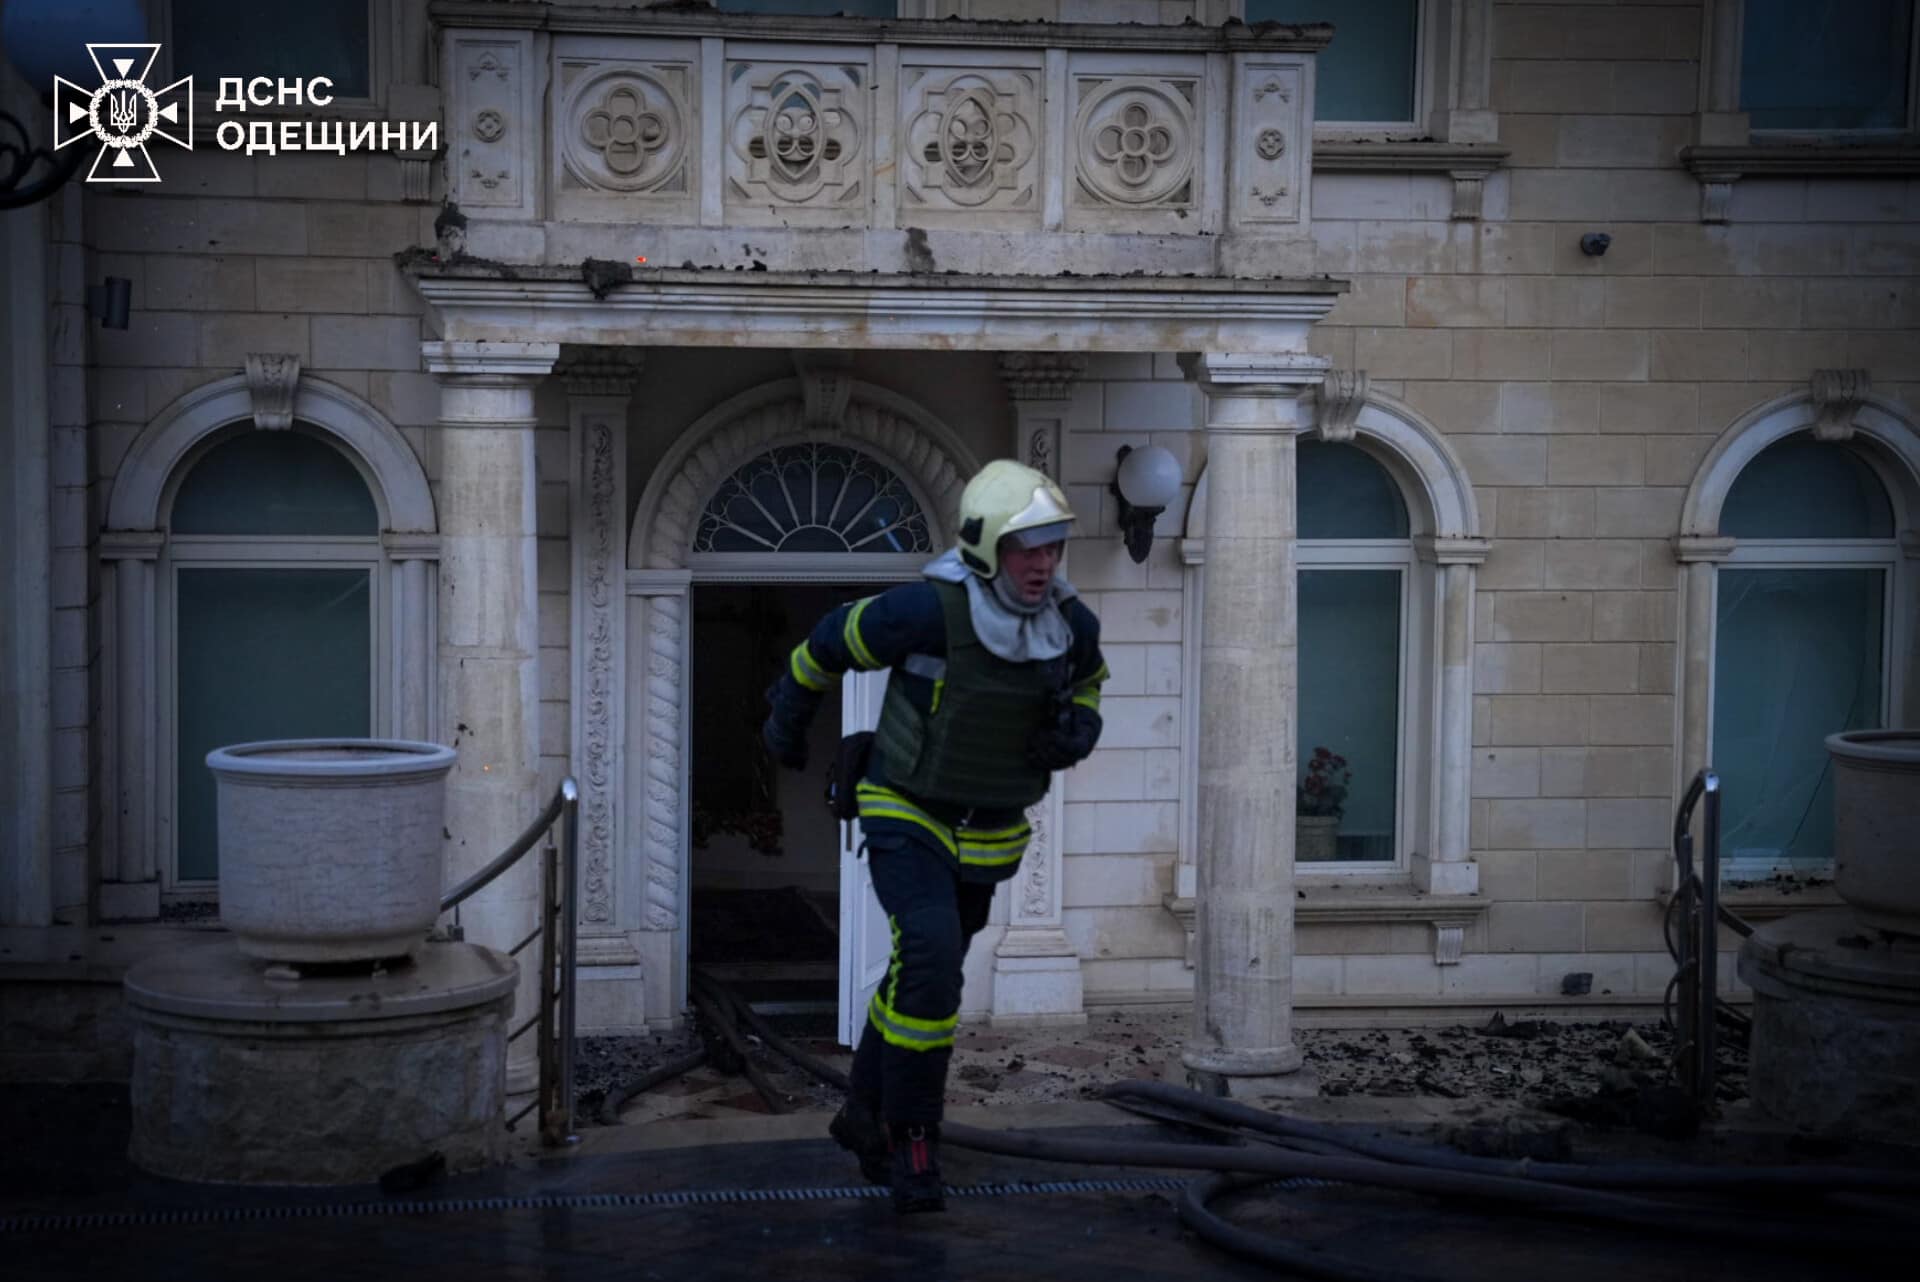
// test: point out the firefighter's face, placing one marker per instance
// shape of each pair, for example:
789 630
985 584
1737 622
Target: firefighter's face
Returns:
1029 571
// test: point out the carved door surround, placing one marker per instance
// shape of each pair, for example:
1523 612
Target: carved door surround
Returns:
634 900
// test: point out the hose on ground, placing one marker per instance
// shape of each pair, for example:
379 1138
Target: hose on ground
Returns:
609 1113
1293 1148
716 1007
1615 1175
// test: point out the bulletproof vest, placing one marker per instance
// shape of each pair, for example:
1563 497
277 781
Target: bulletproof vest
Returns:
970 750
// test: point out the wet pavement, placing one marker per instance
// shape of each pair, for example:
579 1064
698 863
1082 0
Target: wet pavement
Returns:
765 1198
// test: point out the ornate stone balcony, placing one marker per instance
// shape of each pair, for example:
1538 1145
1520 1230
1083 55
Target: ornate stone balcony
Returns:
831 144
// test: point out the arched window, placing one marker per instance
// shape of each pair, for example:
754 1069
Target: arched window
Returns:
1802 636
813 497
271 609
1355 558
1388 548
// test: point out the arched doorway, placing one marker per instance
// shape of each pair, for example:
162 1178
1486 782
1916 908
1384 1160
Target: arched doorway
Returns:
758 510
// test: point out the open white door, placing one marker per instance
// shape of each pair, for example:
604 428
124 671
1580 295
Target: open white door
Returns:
866 945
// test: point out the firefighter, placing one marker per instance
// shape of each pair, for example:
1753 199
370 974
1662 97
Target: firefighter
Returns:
994 684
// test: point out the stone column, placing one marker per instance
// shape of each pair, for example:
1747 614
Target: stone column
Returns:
414 557
1448 869
130 864
26 568
1699 557
489 638
1243 1000
599 383
1036 970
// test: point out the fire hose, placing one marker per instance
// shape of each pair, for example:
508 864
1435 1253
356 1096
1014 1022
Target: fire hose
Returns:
1252 1147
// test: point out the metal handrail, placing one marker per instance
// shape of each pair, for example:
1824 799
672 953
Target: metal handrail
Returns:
558 933
1695 944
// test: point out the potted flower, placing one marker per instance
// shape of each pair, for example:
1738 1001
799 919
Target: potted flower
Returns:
1319 801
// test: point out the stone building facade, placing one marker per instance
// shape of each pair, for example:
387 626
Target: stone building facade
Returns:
1587 358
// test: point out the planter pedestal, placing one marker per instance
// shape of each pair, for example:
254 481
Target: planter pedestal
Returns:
240 1078
1836 1026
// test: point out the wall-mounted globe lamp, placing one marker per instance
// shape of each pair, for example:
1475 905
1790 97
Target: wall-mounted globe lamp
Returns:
1146 482
44 39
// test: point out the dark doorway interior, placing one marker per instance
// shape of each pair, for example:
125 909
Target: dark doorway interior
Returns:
766 854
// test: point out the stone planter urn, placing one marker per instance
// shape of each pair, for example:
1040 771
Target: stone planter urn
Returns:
1314 838
1876 826
330 849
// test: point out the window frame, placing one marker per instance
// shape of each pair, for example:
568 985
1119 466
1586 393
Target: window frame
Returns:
366 552
1399 557
1907 131
1425 53
385 34
1814 554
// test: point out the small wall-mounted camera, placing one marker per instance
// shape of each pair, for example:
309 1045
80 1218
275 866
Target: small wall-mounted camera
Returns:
1595 243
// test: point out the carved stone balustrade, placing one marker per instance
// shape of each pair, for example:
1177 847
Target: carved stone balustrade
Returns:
838 144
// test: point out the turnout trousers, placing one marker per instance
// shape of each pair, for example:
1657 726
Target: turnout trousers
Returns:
900 1066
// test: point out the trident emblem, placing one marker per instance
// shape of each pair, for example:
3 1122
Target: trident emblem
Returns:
123 113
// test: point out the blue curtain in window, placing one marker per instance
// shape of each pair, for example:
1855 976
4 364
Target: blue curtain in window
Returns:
267 652
1349 698
1797 659
1826 64
262 654
1366 74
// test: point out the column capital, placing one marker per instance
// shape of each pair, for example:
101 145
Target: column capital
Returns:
1442 550
403 546
1041 376
1253 374
1701 547
131 545
599 371
484 362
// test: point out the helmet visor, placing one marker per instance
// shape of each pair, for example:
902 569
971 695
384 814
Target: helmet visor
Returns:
1041 535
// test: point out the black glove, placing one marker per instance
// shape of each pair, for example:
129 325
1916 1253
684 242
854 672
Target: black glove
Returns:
1065 738
785 731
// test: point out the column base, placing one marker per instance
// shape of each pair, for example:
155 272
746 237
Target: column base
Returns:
1034 991
1302 1083
1265 1061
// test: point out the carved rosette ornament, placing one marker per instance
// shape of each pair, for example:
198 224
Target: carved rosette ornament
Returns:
797 138
272 380
1837 394
1135 142
972 142
628 131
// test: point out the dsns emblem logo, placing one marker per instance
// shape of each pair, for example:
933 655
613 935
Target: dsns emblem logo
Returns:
123 113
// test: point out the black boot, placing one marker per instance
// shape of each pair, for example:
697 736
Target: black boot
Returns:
916 1170
857 1129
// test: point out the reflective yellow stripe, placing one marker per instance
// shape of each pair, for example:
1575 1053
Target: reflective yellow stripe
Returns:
938 686
862 657
909 1033
809 673
1087 693
992 859
884 803
978 847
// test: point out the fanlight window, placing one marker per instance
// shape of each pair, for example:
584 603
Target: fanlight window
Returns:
813 498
